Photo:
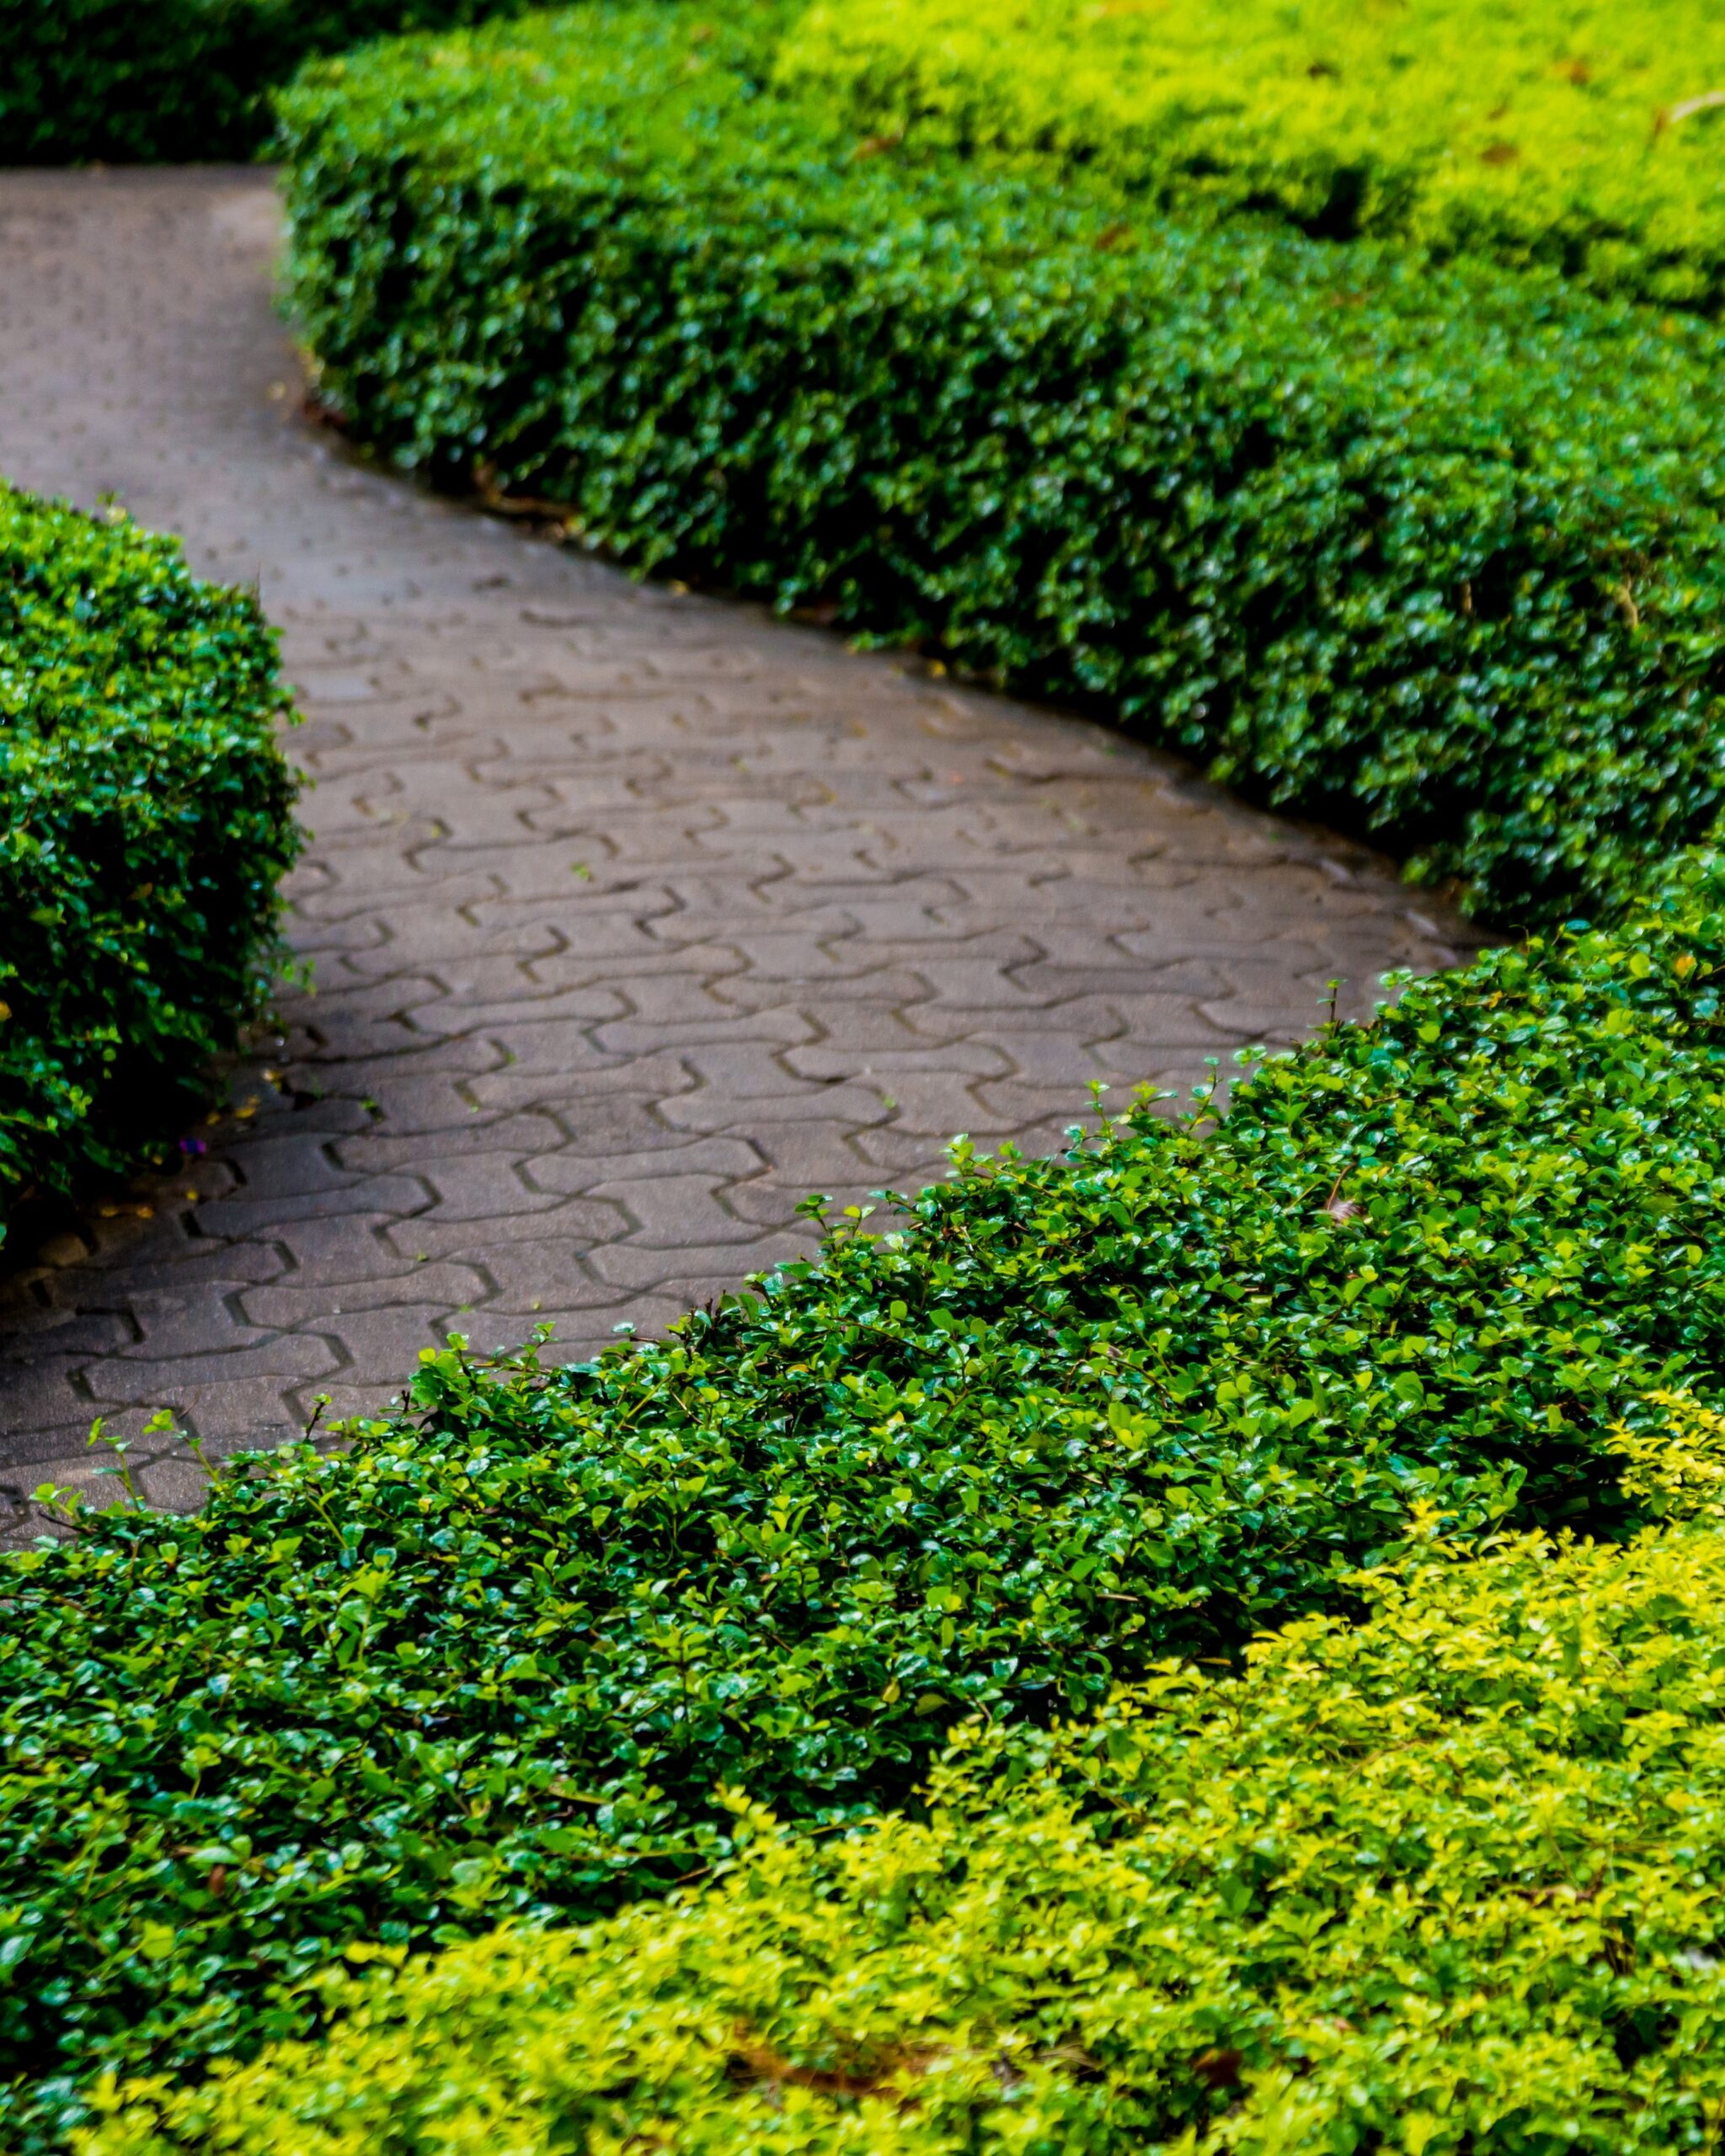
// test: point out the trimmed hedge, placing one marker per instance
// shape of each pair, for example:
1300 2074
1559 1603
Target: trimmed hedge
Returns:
493 1659
1438 557
1569 136
1447 1882
146 817
173 81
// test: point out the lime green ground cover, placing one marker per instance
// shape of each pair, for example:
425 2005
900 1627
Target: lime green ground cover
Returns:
1445 1880
1568 132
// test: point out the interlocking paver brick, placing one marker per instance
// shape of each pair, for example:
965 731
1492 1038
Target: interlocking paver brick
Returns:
697 1274
244 1217
828 908
677 1212
584 1224
576 1172
128 1379
283 1304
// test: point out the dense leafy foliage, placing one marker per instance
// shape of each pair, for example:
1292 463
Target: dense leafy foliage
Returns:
172 79
492 1658
1445 1881
145 819
1434 552
1436 555
1583 136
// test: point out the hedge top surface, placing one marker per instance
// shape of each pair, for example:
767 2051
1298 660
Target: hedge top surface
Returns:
103 624
494 1658
545 91
1444 1881
1583 136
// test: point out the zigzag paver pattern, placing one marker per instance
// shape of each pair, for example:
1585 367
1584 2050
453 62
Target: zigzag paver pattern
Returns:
634 915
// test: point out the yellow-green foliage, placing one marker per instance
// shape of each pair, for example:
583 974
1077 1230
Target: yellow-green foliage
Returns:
1588 135
1447 1879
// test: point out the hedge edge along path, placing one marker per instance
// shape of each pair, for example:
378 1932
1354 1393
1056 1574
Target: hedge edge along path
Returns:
494 1658
1436 556
146 819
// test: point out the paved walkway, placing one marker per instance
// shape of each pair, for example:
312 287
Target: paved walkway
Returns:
634 915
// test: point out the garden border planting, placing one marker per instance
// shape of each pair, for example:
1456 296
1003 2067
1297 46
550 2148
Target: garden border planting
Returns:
495 1657
146 819
1411 1346
1445 1878
1434 556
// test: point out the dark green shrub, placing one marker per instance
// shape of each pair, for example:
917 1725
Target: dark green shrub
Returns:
1436 555
172 80
145 819
1446 1881
1073 1417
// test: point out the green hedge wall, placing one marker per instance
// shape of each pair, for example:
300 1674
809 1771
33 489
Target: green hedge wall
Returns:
492 1659
175 81
1435 556
145 819
1579 134
1444 1883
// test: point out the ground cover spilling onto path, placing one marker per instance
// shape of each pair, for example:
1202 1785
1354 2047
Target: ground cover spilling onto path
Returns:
501 1655
830 913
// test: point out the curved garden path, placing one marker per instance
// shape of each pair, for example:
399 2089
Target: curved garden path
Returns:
833 910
